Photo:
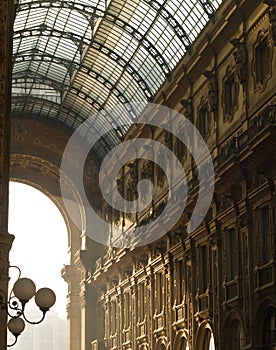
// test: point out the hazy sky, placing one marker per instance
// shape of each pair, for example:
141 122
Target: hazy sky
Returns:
40 245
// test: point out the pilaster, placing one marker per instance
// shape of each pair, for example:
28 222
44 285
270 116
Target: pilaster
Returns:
6 23
73 277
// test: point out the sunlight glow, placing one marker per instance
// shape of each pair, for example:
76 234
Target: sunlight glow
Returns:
40 244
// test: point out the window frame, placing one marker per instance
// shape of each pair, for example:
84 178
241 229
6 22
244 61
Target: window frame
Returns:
260 82
230 108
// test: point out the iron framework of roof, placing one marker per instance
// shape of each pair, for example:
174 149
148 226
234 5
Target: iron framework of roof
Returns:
76 58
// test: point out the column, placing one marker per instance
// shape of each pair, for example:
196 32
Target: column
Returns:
72 276
6 23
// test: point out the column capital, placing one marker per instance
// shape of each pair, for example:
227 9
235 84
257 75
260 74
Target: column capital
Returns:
6 240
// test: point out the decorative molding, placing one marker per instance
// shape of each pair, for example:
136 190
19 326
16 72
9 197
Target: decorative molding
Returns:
228 112
262 82
204 105
272 18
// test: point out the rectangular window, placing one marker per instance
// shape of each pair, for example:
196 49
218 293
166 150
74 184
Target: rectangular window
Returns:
203 272
113 317
231 254
141 301
262 59
159 292
230 94
264 235
127 310
204 124
179 281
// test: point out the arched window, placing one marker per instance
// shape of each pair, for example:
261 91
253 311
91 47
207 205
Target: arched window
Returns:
269 330
236 338
208 343
233 339
184 344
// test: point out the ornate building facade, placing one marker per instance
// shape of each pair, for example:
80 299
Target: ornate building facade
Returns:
213 288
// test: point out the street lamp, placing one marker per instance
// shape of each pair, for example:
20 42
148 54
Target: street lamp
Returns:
23 290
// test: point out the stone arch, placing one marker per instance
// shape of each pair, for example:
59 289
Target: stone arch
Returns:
36 153
181 340
161 344
262 313
233 331
204 333
37 148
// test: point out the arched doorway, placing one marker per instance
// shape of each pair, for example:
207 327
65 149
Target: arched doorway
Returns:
181 341
36 152
269 330
233 334
40 247
205 339
208 341
161 344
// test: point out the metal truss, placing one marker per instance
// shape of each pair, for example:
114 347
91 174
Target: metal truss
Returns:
178 29
44 30
141 39
52 106
139 54
71 66
82 68
100 107
124 64
208 8
72 121
39 78
79 41
94 12
86 10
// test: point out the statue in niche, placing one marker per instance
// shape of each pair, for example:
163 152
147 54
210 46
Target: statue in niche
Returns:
240 56
226 202
212 90
160 173
120 186
134 175
168 139
187 109
258 179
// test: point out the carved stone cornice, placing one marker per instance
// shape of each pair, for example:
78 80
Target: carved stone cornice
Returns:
272 18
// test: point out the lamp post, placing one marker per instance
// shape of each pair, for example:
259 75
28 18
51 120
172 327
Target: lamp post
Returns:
23 290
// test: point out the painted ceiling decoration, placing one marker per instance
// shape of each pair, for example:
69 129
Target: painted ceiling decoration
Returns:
76 58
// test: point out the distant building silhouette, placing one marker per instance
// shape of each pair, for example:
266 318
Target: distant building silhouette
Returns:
51 334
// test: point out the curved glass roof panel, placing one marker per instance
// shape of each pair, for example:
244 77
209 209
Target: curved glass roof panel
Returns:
75 58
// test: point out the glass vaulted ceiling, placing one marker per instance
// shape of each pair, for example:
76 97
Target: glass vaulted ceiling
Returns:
75 58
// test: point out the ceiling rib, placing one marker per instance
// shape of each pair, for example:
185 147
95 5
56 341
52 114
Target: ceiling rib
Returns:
71 66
